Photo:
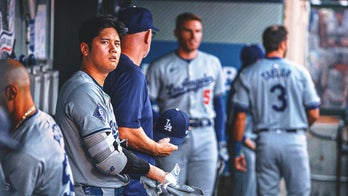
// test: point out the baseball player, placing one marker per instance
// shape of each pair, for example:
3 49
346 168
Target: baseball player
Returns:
192 80
39 165
6 142
243 183
283 102
99 163
133 109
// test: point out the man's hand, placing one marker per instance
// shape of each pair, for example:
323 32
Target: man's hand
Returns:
239 159
250 143
138 140
240 163
164 148
170 186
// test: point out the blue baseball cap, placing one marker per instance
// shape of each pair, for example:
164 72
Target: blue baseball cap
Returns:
251 53
136 19
173 123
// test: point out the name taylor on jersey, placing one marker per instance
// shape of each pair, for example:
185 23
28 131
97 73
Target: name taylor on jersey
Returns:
276 72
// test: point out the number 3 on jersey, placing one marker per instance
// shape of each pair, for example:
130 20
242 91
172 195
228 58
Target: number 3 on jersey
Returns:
279 90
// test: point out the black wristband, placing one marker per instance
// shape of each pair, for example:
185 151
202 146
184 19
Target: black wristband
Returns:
134 164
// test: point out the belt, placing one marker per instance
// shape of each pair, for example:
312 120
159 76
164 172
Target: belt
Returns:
202 122
281 130
91 190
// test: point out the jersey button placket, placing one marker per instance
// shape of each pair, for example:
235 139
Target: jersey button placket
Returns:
190 73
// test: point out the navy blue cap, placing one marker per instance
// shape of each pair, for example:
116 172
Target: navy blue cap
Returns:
251 53
136 19
173 123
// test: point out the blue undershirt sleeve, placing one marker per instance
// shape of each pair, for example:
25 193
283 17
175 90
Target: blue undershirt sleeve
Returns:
219 108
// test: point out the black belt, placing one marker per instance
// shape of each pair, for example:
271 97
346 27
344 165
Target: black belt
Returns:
202 122
281 130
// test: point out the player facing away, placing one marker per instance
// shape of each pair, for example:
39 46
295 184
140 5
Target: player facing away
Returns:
99 163
39 164
192 80
283 102
243 183
127 88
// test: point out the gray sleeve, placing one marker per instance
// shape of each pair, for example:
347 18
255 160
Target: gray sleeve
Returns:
22 173
87 113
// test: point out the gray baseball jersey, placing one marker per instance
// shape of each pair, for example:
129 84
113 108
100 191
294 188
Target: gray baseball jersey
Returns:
190 86
84 108
40 166
174 82
278 93
267 89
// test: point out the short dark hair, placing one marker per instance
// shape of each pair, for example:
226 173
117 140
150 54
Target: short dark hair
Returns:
180 19
93 26
273 36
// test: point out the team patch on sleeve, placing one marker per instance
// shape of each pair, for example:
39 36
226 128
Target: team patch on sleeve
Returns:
100 113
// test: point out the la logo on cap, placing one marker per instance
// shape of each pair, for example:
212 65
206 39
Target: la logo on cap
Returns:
168 126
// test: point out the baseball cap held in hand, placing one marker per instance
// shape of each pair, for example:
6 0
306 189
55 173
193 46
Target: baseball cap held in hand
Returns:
172 123
136 19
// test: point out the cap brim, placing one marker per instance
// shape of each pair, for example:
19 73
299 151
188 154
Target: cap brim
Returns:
155 28
173 140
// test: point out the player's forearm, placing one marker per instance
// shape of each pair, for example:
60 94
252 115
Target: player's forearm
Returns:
156 174
238 133
238 126
138 140
312 116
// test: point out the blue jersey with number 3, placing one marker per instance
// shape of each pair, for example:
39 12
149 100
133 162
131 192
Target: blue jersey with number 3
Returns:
277 92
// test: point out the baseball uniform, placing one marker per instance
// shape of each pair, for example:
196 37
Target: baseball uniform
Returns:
278 92
243 183
128 90
83 108
190 86
40 166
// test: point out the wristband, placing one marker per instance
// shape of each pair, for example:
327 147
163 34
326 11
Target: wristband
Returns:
237 148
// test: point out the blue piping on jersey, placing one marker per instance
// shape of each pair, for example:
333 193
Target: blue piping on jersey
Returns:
312 106
100 130
240 108
274 58
93 80
187 60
